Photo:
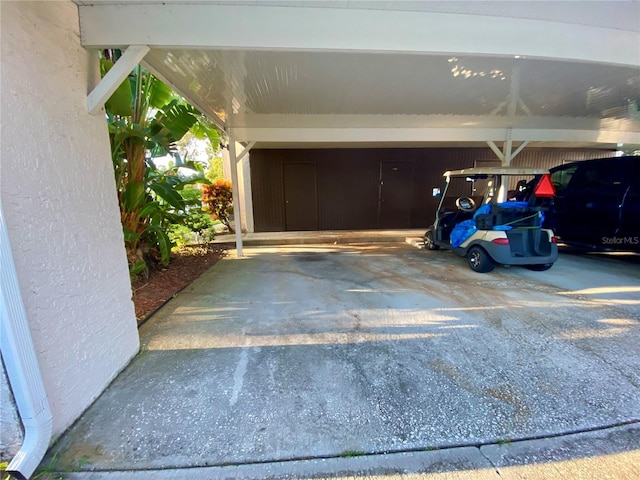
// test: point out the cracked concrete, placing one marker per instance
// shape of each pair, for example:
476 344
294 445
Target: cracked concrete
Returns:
344 353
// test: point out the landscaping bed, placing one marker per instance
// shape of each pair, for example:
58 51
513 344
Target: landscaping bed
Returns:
187 264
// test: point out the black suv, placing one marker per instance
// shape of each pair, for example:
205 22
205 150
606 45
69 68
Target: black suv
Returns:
597 203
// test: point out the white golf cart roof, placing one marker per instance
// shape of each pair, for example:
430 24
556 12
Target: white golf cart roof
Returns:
466 172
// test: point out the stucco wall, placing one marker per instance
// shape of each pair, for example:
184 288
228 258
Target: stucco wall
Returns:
58 195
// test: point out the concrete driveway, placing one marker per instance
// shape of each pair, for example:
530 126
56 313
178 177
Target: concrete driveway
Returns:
338 351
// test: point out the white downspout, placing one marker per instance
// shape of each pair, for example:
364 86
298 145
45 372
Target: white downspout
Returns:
20 361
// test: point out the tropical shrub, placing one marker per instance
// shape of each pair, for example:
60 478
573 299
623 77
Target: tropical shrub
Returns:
193 221
217 199
146 119
215 171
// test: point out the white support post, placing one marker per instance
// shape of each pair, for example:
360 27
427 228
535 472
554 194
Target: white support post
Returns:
114 77
506 161
244 187
235 187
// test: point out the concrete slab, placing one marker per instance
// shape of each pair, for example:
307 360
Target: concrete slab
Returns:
608 454
465 463
336 237
331 351
611 453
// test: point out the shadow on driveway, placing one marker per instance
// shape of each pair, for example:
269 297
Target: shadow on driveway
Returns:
339 351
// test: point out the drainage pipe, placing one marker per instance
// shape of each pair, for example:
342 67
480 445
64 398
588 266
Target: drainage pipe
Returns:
20 361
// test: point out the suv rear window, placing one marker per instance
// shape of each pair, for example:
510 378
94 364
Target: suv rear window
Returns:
561 178
599 174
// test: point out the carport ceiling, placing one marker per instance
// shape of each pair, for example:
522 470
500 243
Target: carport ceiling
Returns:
360 72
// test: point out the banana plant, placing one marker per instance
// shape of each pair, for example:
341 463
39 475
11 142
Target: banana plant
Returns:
146 119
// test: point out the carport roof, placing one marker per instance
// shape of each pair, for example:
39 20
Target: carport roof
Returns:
331 73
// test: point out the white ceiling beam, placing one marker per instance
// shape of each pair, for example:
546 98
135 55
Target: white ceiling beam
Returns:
266 27
465 122
114 77
400 135
390 134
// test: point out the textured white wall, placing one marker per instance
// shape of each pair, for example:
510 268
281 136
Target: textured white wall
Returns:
58 195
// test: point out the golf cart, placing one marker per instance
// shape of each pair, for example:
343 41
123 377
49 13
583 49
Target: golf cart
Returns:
496 215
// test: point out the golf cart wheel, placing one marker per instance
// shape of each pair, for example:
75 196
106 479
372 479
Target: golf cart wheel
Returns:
429 244
479 260
540 267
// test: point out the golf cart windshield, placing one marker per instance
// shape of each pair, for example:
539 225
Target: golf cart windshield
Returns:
486 188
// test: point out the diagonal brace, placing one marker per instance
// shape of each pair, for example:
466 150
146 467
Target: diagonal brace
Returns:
114 77
245 151
496 150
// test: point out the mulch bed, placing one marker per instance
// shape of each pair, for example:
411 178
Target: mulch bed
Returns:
187 264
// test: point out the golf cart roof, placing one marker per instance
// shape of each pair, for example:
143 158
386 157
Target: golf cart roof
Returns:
466 172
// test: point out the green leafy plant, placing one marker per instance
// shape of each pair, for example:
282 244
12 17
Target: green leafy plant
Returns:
49 471
193 221
217 199
146 119
196 219
215 171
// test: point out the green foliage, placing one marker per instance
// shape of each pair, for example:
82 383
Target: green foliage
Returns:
146 120
179 235
217 199
50 471
194 220
215 171
352 454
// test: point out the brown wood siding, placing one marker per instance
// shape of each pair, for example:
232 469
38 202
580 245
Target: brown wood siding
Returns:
267 190
300 195
545 158
347 189
429 165
348 181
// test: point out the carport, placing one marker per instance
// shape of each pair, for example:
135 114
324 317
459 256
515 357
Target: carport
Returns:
385 74
501 75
